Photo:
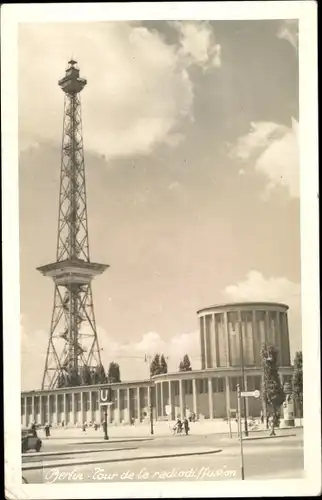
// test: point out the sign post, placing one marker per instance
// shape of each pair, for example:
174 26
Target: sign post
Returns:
240 433
105 400
249 394
245 394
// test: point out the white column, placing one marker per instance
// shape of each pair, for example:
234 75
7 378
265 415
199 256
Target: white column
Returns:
48 409
227 342
181 398
256 349
33 410
214 343
118 405
247 402
205 341
156 389
267 329
73 419
194 396
170 400
40 410
162 401
138 403
57 410
82 420
25 414
227 396
149 396
128 404
210 398
279 338
65 408
91 412
110 413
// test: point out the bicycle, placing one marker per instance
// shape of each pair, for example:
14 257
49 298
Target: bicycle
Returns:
177 430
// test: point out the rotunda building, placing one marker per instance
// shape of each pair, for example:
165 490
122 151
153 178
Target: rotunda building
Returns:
231 338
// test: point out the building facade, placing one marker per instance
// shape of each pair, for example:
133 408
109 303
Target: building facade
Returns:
231 336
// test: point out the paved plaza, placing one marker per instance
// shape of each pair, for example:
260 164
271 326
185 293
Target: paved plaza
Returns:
195 457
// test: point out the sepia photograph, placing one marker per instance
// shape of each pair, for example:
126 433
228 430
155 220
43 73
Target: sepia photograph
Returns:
160 322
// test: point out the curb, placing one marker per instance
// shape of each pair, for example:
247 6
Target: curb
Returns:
114 460
159 436
70 452
99 440
268 437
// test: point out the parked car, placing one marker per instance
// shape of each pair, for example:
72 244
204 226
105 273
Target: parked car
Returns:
30 441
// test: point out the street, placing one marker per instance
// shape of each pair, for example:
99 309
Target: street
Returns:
277 458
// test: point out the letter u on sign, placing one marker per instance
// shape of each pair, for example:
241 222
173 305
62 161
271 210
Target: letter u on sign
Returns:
104 396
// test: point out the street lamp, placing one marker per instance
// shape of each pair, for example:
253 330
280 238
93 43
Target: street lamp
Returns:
268 357
243 372
106 401
106 438
147 359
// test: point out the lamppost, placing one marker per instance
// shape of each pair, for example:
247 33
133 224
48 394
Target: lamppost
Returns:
267 357
240 432
106 438
242 371
147 359
106 401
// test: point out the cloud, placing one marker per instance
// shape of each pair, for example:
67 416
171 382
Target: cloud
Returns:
272 150
129 355
289 30
198 44
256 287
138 88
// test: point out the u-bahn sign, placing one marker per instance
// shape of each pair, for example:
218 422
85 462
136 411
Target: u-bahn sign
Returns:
254 394
105 396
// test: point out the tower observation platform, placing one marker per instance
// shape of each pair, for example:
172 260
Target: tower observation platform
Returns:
73 353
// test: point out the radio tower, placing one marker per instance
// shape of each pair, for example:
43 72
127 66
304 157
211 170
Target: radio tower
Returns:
73 346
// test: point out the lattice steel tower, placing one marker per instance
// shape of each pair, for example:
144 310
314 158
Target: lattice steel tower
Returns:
73 345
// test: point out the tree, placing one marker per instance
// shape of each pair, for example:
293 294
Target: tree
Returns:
99 375
85 375
113 374
73 378
61 380
185 365
297 379
163 365
272 390
155 368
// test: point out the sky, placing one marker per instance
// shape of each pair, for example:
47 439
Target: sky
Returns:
192 171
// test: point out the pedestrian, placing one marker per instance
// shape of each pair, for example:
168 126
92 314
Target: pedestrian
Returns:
186 426
104 425
262 417
47 429
179 426
63 423
33 428
272 423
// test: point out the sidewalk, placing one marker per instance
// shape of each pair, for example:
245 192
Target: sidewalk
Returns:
121 456
142 431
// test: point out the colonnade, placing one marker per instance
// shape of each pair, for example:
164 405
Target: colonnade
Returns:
206 393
